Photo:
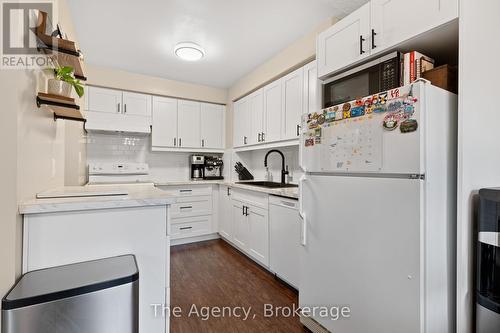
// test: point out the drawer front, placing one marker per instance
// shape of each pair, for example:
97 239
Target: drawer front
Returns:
188 190
191 206
191 227
257 199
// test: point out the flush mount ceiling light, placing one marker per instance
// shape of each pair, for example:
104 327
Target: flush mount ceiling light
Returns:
189 51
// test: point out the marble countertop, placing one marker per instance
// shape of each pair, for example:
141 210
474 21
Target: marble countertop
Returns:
289 192
137 196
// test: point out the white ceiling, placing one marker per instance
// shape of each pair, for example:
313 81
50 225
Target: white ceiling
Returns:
238 35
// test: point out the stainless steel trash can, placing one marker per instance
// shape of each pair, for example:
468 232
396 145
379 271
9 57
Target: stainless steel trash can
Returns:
99 296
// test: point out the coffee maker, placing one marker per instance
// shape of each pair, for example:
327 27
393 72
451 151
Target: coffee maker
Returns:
197 167
213 167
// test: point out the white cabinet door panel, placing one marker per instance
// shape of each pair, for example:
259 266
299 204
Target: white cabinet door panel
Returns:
104 100
273 110
312 89
259 234
164 132
389 19
345 42
242 123
256 111
189 124
241 226
226 225
292 88
136 104
212 125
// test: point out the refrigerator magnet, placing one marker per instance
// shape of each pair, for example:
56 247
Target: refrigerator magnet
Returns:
394 93
382 98
408 126
357 111
390 122
321 119
394 106
309 142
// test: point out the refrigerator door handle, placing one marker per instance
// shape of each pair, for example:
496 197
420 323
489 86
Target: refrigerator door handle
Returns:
303 234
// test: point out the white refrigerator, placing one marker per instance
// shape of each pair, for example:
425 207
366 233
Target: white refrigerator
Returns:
378 203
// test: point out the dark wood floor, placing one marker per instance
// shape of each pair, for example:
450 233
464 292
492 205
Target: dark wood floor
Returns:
213 274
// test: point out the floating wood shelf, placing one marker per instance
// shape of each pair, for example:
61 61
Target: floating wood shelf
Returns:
62 107
62 51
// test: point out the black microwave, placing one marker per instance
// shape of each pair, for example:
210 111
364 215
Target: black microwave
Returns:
370 78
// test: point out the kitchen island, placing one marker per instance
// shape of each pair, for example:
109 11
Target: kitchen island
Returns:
105 221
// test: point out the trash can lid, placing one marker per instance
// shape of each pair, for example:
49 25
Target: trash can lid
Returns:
50 284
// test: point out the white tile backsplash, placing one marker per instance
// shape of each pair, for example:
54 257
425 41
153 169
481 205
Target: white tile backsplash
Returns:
174 166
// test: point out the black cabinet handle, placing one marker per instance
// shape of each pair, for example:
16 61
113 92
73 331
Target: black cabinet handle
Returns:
183 191
186 207
203 142
243 210
361 40
175 142
373 38
263 139
259 137
180 142
246 210
228 193
185 228
298 130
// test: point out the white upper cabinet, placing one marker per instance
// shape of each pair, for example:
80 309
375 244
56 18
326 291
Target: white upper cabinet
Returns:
104 100
241 123
256 111
188 124
164 132
390 19
272 110
345 42
136 104
292 99
312 87
212 126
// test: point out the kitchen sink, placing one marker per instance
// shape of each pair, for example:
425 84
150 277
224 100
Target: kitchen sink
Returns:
267 184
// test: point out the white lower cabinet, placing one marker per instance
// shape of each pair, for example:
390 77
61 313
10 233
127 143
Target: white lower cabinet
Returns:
244 222
226 228
193 213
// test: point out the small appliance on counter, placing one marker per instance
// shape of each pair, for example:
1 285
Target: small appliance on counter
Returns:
243 173
488 262
197 167
118 173
213 168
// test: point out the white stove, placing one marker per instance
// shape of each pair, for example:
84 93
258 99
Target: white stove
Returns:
118 173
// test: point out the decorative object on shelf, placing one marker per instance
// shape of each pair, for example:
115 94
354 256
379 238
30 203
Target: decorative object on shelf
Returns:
63 81
61 50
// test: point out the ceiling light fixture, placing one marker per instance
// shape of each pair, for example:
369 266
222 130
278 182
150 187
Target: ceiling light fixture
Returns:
189 51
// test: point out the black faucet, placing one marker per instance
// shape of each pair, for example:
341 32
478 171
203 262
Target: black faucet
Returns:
283 171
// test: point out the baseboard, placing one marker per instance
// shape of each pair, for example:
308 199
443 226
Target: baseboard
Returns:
196 239
312 324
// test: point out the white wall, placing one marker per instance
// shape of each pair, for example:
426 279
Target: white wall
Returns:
479 134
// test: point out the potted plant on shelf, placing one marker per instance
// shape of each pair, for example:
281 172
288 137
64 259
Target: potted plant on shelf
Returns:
63 81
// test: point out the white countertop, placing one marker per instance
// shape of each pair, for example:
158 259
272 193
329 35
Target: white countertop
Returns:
289 192
137 196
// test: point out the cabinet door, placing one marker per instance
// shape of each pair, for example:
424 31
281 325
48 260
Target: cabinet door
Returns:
292 99
104 100
273 110
345 42
212 126
259 234
389 19
226 224
189 124
256 112
241 226
241 121
136 104
312 89
164 132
